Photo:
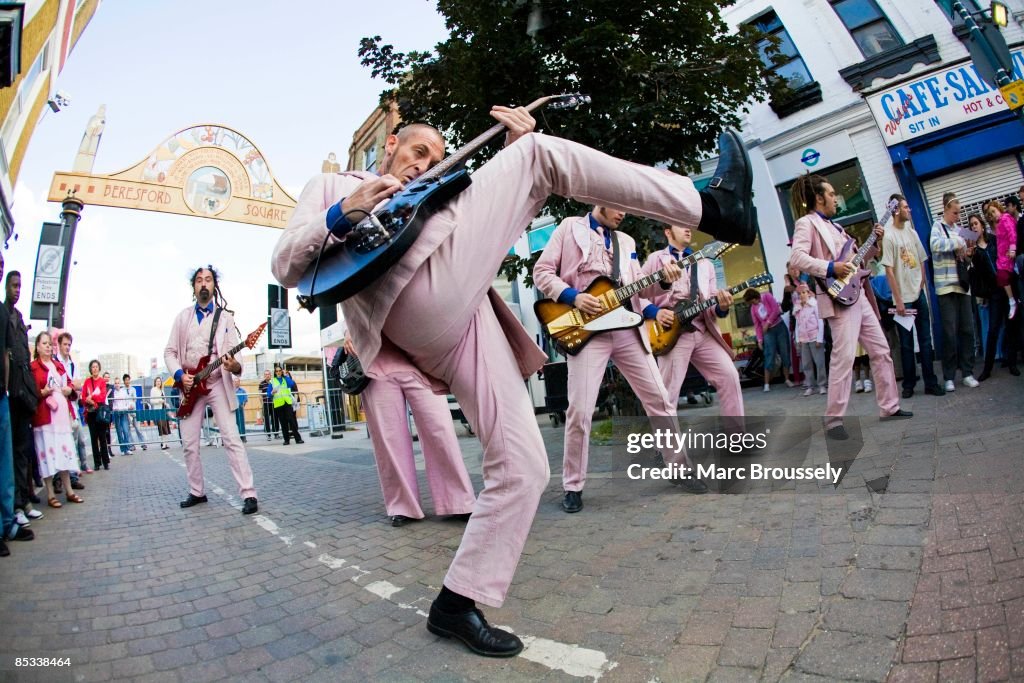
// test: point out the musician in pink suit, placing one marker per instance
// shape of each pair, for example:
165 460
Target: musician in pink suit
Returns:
193 336
702 343
385 402
582 249
436 304
817 243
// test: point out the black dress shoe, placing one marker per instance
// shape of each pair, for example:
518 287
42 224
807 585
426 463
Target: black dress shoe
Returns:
400 520
730 188
691 485
77 485
935 391
837 433
573 501
21 533
249 506
900 414
473 630
985 374
908 393
1014 371
193 500
299 441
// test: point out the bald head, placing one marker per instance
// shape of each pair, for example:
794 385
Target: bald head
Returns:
410 152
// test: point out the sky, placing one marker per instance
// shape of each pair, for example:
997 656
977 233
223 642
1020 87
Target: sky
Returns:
285 75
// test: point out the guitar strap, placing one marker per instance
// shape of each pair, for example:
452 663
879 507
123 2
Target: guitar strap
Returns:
694 295
213 331
615 258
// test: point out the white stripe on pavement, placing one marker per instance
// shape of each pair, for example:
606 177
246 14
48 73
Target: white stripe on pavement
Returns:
570 658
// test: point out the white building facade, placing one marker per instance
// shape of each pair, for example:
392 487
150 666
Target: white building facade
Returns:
885 99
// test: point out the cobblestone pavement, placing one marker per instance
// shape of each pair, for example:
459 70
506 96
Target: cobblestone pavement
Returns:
913 569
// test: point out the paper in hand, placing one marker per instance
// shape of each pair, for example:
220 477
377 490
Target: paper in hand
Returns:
968 236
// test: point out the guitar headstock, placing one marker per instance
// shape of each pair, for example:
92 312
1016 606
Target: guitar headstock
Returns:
250 341
716 249
759 280
568 101
892 207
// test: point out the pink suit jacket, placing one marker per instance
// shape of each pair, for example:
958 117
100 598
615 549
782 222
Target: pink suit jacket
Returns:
567 262
225 338
707 283
366 312
812 251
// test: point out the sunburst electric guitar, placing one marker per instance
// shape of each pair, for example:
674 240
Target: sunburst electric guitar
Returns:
664 339
570 328
201 372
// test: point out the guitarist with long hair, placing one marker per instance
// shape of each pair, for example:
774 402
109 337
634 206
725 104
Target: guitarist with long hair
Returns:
818 242
207 328
701 341
581 249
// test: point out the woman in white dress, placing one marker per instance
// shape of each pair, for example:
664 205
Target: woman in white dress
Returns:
51 425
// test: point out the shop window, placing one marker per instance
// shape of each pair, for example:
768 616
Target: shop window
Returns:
855 212
370 158
867 24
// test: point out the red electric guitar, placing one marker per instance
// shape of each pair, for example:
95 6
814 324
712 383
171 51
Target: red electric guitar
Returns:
202 371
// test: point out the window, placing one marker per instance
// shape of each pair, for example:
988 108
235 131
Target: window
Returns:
870 28
786 62
370 158
855 212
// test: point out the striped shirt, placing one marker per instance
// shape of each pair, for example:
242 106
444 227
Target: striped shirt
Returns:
944 258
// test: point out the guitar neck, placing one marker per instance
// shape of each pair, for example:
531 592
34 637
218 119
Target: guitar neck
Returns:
869 242
626 291
205 372
708 303
473 145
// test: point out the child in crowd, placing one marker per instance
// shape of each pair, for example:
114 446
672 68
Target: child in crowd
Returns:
810 338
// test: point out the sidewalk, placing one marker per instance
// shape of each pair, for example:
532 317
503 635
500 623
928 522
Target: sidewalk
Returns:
919 577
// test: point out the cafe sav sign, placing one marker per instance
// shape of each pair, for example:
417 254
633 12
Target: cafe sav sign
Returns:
938 100
209 171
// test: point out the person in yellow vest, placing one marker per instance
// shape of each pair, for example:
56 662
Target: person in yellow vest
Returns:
280 392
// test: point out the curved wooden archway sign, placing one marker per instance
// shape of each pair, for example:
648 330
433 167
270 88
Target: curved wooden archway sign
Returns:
209 171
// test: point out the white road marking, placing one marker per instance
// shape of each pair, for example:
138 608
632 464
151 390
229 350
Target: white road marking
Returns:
571 658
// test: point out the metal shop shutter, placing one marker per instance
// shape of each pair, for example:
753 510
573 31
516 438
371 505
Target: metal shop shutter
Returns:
974 186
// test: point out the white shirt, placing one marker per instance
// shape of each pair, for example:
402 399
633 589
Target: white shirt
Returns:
123 400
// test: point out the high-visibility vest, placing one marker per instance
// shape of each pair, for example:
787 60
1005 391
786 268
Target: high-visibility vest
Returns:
284 394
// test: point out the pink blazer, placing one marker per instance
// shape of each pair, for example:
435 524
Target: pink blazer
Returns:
707 283
772 316
366 312
568 262
812 251
1006 239
223 340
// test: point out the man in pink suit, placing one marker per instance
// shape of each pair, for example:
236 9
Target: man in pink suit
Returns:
817 243
192 337
385 402
436 304
580 250
703 344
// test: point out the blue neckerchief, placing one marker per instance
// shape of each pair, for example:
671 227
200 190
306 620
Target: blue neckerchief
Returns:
830 221
594 225
200 311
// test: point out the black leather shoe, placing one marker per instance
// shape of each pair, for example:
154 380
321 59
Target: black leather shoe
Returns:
4 550
691 485
935 391
400 520
21 533
573 501
193 500
249 506
299 441
900 414
473 630
1014 371
837 433
731 190
908 393
77 485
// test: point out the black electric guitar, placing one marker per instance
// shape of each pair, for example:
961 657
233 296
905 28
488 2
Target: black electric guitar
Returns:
846 290
570 328
664 340
349 372
379 240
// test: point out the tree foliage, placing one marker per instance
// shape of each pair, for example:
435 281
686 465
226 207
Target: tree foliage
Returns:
665 77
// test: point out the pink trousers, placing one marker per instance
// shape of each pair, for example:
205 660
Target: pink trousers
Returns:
385 404
586 371
713 362
445 323
191 429
848 325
